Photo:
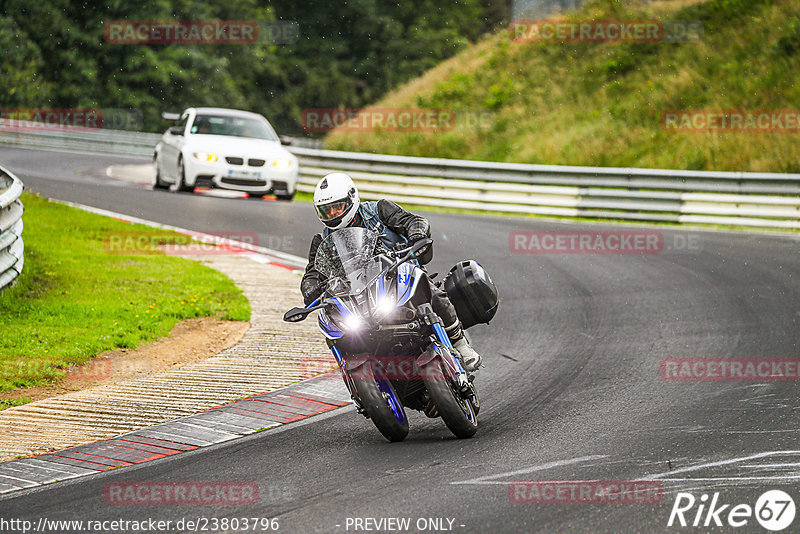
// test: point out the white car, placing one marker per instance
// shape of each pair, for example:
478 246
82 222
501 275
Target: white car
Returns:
224 148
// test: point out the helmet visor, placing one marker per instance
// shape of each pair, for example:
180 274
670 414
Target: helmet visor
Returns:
333 210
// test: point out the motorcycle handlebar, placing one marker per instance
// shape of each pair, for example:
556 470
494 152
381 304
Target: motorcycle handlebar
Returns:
416 247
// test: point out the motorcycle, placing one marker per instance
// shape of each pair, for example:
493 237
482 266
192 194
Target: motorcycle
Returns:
391 348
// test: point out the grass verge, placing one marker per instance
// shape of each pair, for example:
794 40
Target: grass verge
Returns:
77 298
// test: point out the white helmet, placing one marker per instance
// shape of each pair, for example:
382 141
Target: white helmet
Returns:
336 200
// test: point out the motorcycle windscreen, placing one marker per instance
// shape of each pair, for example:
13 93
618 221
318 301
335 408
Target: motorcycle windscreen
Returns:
347 259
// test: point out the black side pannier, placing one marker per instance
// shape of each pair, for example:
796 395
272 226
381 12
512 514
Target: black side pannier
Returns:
472 292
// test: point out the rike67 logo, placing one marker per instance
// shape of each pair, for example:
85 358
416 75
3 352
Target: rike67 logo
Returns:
774 510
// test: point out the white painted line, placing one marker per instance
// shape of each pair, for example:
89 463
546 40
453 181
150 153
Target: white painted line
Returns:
770 466
16 478
489 479
662 476
272 256
731 479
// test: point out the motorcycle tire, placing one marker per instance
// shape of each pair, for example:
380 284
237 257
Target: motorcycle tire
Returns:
458 413
381 403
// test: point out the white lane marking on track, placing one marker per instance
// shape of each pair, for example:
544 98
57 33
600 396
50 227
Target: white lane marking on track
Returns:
489 479
669 474
295 262
733 479
771 466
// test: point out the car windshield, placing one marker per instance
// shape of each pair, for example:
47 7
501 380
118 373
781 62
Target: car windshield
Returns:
347 259
233 126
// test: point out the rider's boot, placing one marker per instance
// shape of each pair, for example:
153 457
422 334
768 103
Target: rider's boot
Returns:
470 359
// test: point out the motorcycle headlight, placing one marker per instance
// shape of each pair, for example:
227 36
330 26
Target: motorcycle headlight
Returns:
205 157
282 164
354 323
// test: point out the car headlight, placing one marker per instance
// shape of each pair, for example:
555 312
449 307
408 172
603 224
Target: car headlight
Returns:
205 157
282 164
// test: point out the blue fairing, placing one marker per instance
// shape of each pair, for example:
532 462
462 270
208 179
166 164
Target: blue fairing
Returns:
407 279
327 326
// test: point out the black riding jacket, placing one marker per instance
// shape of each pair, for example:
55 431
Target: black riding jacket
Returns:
412 227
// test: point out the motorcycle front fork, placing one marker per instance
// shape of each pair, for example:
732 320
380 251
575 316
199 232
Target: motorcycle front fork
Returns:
340 360
429 317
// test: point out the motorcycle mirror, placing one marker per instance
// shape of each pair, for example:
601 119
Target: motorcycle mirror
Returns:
295 315
419 245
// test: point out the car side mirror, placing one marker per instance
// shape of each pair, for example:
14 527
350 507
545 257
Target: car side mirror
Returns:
176 130
286 140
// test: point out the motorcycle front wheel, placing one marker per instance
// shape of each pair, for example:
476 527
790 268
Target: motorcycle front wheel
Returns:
458 413
381 402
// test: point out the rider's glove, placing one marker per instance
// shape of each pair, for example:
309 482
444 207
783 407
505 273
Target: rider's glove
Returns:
313 293
413 238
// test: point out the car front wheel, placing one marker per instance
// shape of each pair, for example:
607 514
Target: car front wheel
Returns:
182 187
158 183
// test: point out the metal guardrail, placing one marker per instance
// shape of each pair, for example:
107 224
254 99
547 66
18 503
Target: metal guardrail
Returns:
81 140
699 197
11 245
769 200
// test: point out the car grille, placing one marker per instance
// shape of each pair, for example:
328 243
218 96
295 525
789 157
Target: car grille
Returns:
234 160
256 162
243 181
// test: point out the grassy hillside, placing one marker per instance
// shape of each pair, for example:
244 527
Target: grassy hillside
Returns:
602 103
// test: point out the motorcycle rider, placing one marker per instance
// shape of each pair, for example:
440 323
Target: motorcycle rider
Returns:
337 203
